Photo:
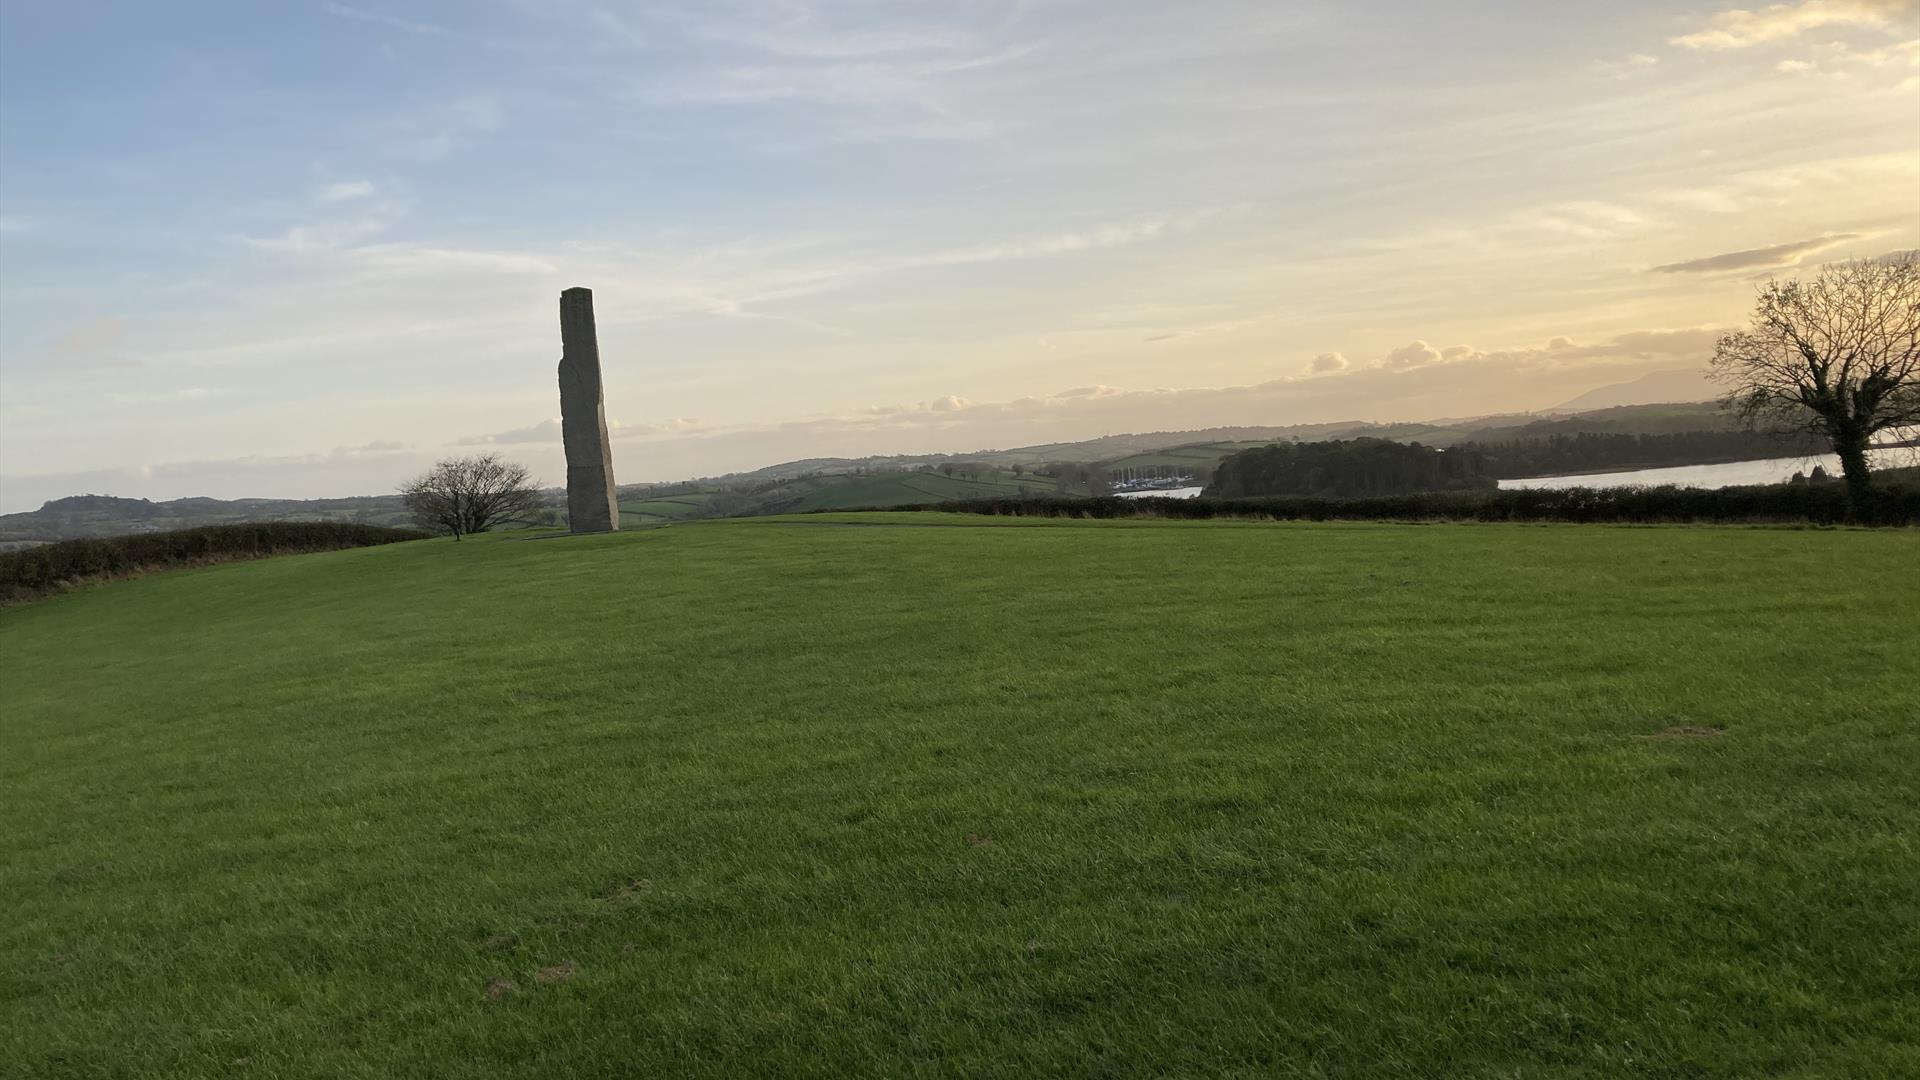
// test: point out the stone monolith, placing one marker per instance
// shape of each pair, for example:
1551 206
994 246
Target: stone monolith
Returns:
592 505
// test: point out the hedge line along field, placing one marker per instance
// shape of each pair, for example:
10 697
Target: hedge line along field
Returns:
34 572
926 795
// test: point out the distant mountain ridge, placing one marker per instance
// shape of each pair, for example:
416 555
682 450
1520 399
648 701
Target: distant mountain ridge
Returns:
1671 385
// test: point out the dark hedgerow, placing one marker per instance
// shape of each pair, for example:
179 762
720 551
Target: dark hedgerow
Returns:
1824 504
35 572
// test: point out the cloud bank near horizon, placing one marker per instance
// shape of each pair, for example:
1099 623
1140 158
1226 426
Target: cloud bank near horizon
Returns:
1428 383
1346 386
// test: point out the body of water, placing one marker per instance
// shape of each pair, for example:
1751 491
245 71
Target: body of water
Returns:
1169 493
1728 474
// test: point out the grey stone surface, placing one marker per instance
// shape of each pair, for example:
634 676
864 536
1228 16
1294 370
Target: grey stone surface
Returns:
592 505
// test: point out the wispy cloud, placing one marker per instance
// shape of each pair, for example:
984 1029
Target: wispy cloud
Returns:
102 335
308 239
1742 28
1744 192
174 396
1111 235
1627 67
1586 220
546 431
392 22
1579 222
435 133
732 283
1775 256
1227 326
427 262
878 74
1842 60
344 190
801 31
791 207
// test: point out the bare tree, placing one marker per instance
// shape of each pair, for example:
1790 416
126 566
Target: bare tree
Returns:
1838 356
471 494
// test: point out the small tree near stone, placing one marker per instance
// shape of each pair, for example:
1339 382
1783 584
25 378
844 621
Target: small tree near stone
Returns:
1838 356
471 495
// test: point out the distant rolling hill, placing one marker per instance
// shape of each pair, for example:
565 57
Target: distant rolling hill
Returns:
864 483
914 489
1677 384
82 516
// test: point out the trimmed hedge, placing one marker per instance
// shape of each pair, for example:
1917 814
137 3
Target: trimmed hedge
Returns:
34 572
1822 504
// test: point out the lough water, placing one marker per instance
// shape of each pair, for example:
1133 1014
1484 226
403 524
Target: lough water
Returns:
1166 493
1729 474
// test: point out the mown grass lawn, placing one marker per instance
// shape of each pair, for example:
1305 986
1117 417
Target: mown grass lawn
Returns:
978 799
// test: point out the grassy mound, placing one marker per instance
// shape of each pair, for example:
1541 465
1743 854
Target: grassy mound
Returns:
935 795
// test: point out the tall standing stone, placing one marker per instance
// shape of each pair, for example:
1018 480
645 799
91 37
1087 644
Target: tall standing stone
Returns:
592 505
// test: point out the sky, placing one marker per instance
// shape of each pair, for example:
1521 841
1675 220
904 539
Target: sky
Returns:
298 249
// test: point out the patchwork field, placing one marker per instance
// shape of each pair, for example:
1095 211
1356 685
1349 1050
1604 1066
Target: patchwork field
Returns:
918 488
641 511
1198 460
898 795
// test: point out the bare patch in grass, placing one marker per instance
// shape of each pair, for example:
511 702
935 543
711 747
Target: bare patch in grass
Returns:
558 973
498 988
500 942
74 875
626 890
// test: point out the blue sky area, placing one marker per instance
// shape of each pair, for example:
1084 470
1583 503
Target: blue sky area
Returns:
302 249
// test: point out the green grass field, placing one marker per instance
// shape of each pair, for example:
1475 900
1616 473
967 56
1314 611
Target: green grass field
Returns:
917 488
654 511
1201 460
933 796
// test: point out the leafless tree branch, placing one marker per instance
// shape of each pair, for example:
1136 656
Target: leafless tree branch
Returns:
1838 355
471 494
